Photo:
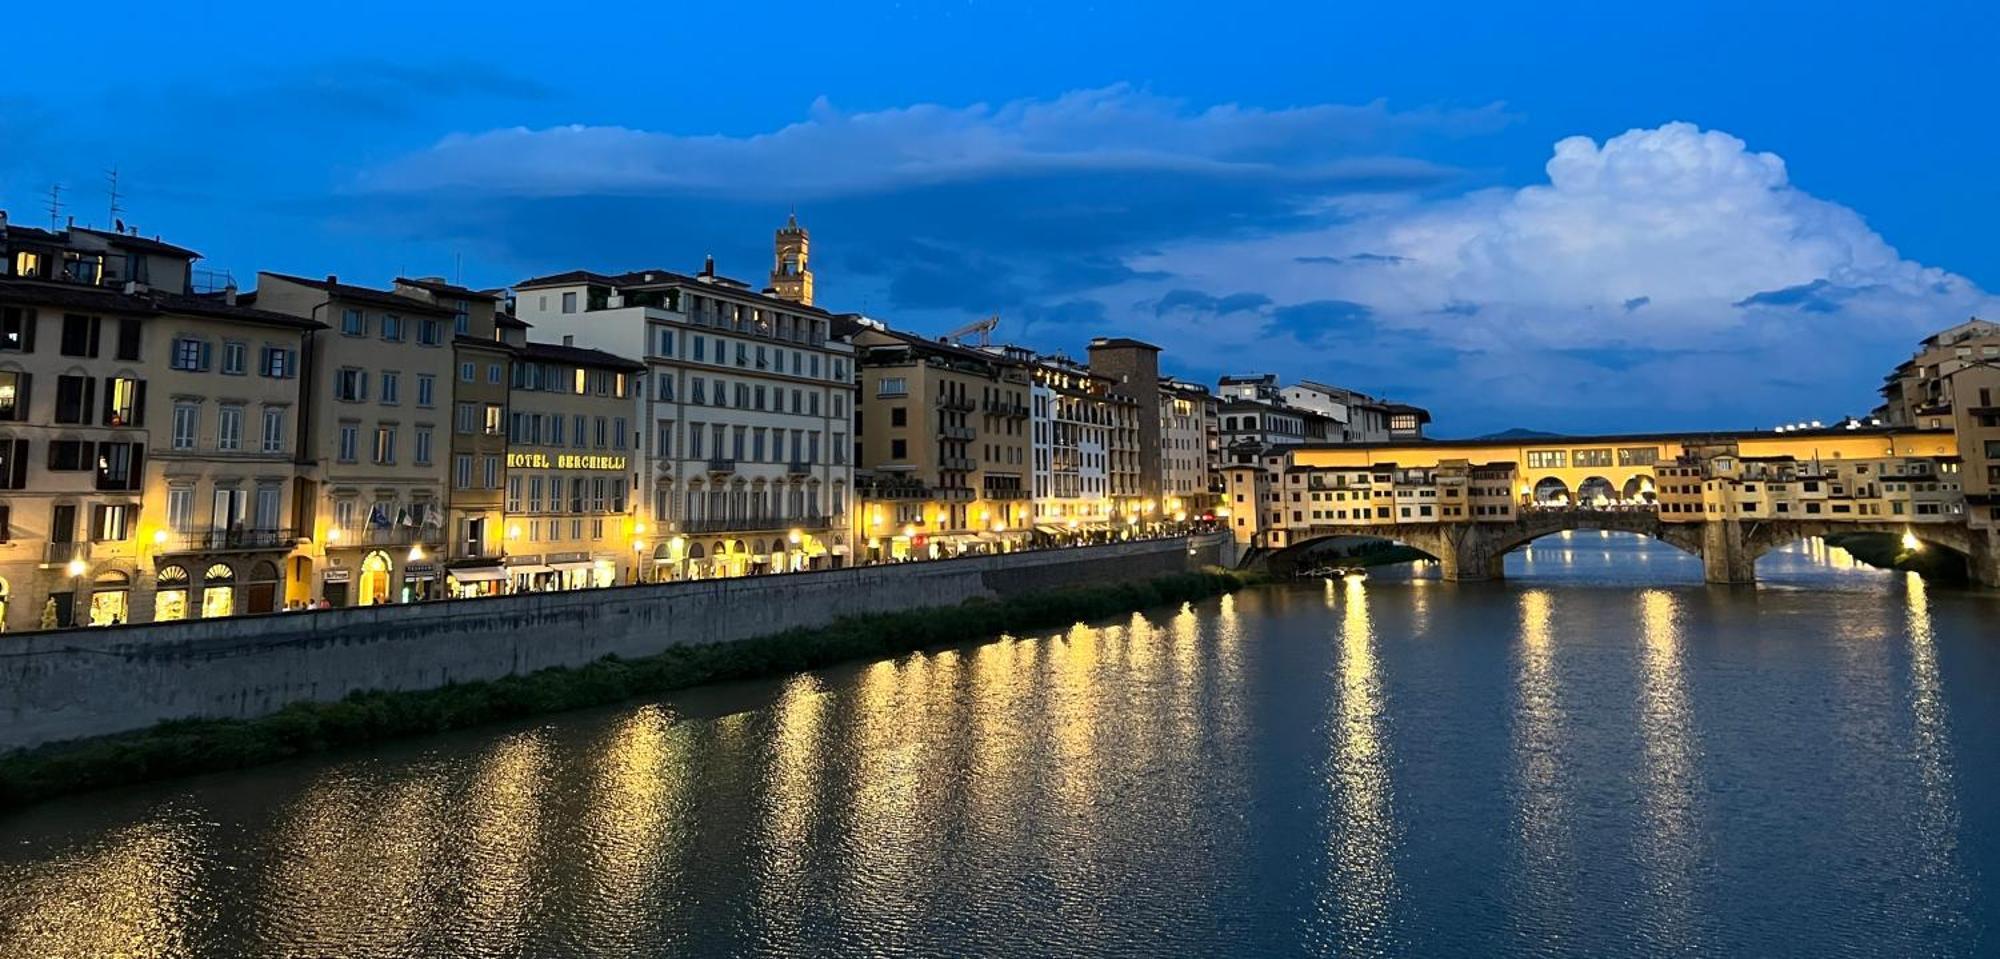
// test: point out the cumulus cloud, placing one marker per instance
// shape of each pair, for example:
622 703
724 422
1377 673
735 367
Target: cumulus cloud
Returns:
1638 255
836 153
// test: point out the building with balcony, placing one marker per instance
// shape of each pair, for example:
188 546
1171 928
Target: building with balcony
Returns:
1073 415
376 393
1954 380
745 443
145 432
570 455
943 433
1188 488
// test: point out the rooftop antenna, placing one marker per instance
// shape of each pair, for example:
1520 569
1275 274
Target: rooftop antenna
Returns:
457 269
117 224
55 207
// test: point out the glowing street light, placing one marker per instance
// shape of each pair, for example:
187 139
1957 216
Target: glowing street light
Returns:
416 553
1911 542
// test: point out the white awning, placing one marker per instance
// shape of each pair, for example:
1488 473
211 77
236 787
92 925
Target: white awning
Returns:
479 574
530 568
567 567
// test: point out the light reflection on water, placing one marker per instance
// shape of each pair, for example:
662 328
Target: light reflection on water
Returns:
1614 761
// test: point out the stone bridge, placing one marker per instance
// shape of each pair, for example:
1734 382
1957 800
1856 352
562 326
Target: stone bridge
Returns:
1728 548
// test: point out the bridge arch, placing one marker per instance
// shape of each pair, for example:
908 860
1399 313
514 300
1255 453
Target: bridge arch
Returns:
1595 491
1300 553
1683 537
1551 489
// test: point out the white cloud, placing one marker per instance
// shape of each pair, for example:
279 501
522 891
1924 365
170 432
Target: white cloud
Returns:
1686 223
834 153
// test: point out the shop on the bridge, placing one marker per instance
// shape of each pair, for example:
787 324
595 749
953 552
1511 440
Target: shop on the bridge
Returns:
465 579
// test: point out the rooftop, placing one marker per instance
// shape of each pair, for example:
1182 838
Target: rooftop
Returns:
359 294
577 356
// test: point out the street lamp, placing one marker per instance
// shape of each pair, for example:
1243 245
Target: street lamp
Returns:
638 553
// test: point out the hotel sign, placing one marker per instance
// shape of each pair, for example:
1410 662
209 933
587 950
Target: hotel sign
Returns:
564 461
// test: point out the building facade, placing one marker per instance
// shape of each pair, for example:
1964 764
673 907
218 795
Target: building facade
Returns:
745 435
944 441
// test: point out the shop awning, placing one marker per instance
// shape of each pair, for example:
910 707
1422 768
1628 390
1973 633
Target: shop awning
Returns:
571 566
1050 530
529 569
480 574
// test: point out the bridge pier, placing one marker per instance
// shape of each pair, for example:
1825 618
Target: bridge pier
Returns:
1725 558
1470 562
1982 557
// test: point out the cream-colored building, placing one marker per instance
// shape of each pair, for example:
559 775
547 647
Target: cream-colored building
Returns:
145 435
570 520
1954 380
1187 415
746 420
944 445
374 448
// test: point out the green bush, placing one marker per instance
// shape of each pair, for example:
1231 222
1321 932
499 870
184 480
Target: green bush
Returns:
183 747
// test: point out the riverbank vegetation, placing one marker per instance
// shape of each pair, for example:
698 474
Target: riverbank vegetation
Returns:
207 745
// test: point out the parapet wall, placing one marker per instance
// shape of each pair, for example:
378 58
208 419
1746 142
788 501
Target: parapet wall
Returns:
69 684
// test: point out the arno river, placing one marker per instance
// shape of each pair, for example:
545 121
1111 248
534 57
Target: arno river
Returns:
1598 757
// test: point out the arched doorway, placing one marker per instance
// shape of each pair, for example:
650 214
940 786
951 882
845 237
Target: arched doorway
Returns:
1551 492
110 599
260 594
218 591
1639 489
697 565
170 594
374 586
1595 491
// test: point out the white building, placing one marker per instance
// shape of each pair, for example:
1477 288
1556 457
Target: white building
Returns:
746 449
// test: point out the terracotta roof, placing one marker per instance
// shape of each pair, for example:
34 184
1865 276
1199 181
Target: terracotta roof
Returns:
139 243
152 303
578 355
362 294
639 279
442 288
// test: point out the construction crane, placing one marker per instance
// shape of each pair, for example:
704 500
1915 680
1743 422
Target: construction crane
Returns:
983 327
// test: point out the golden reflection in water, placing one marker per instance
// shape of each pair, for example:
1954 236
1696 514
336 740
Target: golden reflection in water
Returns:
132 896
1667 725
888 821
634 827
361 863
791 785
1937 808
999 682
503 840
1354 912
1542 816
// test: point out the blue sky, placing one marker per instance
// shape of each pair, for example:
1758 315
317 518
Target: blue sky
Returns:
1573 217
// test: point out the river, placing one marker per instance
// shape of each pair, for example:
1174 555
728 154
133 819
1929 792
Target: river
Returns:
1598 757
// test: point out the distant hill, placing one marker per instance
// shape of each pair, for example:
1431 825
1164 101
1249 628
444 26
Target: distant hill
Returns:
1518 433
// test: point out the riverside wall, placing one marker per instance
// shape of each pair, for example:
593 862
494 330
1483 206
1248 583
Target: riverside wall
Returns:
68 684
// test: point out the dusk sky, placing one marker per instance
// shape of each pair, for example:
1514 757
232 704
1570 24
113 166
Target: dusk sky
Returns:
1568 217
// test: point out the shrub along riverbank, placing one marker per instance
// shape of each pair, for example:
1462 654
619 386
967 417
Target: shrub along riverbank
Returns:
208 745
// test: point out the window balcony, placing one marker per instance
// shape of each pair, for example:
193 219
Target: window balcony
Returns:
61 554
958 404
799 468
231 540
956 432
721 464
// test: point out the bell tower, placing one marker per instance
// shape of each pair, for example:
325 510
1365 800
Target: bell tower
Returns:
790 277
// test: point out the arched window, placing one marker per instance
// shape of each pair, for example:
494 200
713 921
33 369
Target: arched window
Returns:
218 591
170 599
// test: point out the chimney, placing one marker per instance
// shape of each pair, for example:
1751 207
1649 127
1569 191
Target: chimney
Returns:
332 281
708 265
229 293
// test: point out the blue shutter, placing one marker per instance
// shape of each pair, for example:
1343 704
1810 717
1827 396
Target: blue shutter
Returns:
207 355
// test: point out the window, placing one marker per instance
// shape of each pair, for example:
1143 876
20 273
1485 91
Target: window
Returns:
187 420
229 428
601 434
430 332
13 395
350 384
495 415
899 416
899 449
124 402
618 433
76 399
426 389
423 446
13 464
350 442
892 386
180 508
274 429
491 469
71 456
569 302
79 335
666 342
468 372
280 364
110 522
1638 456
1590 458
235 358
392 327
189 354
118 465
17 329
1547 459
391 386
128 339
354 323
385 444
495 373
462 471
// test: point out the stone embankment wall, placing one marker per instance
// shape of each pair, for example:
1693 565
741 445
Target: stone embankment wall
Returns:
69 684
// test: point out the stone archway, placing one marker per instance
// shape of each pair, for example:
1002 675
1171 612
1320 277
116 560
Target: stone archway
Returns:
1595 491
1551 491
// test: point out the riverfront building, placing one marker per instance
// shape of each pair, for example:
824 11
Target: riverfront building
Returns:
944 442
1187 414
376 390
1953 381
744 425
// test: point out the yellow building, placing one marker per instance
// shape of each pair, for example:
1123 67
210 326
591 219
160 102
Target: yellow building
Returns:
943 441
